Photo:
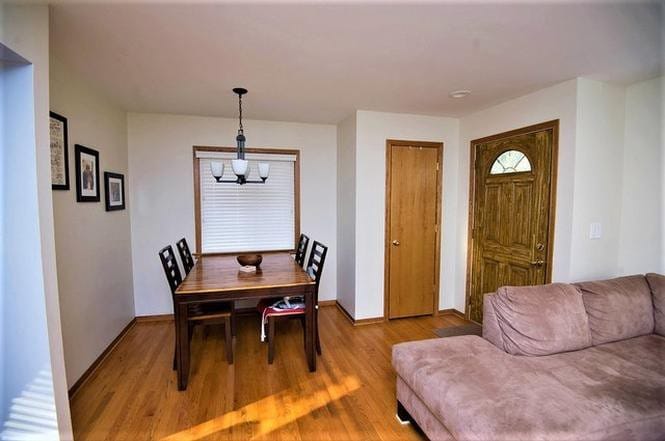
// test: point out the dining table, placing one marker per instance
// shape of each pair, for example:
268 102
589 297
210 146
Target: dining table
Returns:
217 278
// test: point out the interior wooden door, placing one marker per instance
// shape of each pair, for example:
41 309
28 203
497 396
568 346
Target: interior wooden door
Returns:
512 213
412 233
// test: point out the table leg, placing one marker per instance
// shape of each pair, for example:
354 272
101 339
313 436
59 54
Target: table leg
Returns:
310 331
182 331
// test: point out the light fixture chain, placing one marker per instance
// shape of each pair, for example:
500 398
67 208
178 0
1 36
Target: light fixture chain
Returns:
240 109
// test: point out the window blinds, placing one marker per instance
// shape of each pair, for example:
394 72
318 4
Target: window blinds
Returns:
250 217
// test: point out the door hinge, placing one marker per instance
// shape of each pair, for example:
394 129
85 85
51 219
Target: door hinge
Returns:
437 166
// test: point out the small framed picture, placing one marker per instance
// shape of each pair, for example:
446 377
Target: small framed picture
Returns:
59 152
114 187
87 174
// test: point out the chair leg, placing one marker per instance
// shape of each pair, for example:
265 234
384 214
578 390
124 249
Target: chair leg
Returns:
234 321
316 328
175 355
271 339
304 331
228 343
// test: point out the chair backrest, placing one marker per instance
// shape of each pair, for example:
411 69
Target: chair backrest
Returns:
171 269
317 257
185 255
302 249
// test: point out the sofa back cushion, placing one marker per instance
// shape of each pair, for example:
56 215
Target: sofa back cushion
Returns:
540 320
618 309
657 285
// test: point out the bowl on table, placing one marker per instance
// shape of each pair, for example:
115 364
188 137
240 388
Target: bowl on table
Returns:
250 259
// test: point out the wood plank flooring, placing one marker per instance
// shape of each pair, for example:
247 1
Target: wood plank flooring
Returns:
133 394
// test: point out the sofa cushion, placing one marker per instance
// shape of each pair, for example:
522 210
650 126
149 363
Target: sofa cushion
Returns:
657 285
541 320
613 391
618 309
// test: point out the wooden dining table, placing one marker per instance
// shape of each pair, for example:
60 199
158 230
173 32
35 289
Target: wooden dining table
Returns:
216 278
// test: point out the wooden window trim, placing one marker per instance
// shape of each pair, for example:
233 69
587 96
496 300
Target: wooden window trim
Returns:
197 192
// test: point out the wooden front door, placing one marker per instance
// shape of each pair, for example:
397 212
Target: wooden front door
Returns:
512 211
412 228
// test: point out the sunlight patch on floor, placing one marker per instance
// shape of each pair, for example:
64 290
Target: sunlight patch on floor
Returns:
272 412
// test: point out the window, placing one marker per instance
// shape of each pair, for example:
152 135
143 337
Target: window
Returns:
511 161
252 217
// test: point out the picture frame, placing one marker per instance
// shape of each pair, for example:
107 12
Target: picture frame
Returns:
114 190
59 145
87 174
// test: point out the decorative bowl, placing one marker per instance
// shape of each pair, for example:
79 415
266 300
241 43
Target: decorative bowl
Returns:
250 259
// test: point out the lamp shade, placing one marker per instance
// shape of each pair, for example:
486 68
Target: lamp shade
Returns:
239 166
217 169
264 169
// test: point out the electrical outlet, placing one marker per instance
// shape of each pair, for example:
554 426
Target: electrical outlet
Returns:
595 230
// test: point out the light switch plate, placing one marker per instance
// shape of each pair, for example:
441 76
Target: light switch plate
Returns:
595 230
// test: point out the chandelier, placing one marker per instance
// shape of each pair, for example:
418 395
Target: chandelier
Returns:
240 165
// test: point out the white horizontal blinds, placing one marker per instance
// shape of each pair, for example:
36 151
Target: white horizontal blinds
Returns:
250 217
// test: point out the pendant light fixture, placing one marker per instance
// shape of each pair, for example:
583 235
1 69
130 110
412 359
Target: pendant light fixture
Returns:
240 165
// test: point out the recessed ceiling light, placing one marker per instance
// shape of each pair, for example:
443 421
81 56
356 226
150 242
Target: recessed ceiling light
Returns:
459 93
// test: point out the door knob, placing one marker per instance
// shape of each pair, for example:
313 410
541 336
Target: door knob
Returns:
396 243
538 262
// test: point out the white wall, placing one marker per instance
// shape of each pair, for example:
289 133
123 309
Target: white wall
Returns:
346 214
4 111
162 192
607 174
373 128
556 102
31 320
641 231
93 246
598 179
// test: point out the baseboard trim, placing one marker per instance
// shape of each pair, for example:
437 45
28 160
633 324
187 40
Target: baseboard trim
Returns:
95 364
323 303
361 322
452 311
154 318
344 312
368 321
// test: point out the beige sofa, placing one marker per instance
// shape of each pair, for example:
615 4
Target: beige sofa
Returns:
556 362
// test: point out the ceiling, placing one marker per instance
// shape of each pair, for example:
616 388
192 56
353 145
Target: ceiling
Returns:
318 63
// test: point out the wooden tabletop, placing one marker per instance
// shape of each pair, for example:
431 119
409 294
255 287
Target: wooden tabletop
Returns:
222 273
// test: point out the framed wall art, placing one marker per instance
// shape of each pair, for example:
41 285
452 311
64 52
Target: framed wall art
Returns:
59 152
87 174
114 189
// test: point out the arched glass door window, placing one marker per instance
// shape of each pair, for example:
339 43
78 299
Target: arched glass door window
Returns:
510 161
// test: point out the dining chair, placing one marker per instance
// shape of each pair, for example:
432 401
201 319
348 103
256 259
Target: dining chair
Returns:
214 313
294 307
185 255
301 251
188 263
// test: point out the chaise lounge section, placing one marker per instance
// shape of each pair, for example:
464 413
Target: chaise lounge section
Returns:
556 362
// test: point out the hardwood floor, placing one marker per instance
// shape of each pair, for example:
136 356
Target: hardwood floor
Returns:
133 394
